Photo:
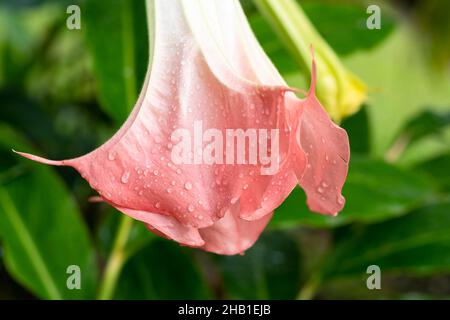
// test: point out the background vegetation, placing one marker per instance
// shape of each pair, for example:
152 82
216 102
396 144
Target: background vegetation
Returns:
63 93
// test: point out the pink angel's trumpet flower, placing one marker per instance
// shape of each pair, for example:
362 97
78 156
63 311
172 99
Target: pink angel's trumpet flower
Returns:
217 140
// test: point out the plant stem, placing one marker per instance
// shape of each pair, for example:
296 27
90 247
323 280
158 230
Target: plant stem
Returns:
116 260
308 291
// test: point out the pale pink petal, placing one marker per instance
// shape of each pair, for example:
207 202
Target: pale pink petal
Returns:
231 235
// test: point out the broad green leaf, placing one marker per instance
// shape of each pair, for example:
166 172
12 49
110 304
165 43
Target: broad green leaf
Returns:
116 34
424 137
439 169
358 132
418 242
41 228
374 191
162 270
268 270
426 123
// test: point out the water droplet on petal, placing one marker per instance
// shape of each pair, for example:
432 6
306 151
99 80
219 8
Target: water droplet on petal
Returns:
191 208
188 186
320 190
125 177
112 156
158 205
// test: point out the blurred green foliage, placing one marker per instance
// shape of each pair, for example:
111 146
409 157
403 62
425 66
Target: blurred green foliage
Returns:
63 93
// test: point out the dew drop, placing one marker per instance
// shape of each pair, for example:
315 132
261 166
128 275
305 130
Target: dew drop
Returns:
191 208
125 177
112 156
158 205
320 190
188 186
155 172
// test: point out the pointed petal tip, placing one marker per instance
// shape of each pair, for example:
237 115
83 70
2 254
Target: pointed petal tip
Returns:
312 88
39 159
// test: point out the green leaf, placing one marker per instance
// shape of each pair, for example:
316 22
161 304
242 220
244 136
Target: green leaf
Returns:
374 191
116 34
423 138
268 270
162 270
418 242
439 169
331 18
426 123
42 231
358 131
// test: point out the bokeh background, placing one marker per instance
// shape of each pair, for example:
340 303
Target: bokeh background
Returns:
64 92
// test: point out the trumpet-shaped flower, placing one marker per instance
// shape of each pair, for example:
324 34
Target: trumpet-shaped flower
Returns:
217 140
